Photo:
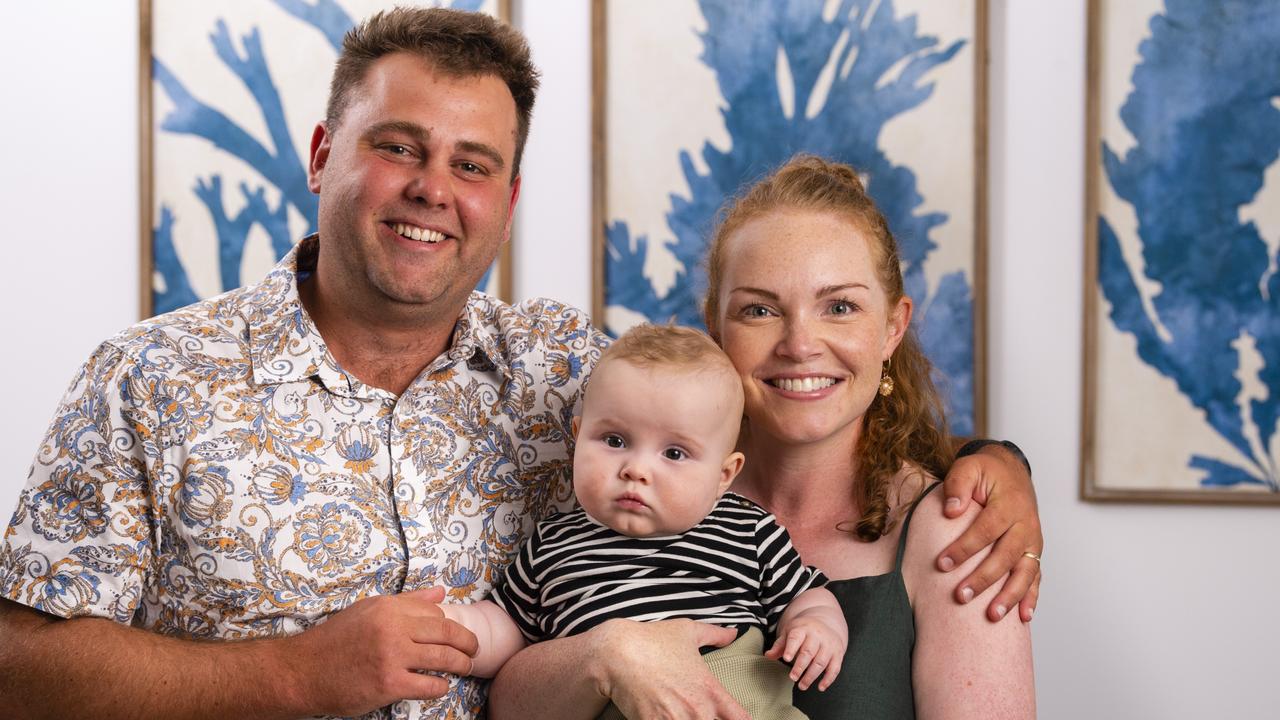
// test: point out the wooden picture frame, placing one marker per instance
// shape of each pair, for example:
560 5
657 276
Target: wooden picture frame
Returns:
673 106
1175 406
229 92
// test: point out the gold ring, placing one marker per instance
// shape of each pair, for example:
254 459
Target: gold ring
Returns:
1031 555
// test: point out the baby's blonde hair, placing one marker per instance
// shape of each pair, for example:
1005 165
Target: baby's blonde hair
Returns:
675 348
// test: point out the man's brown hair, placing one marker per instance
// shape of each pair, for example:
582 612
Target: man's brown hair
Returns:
456 43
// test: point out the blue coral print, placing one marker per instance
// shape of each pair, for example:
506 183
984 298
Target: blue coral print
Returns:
742 49
276 162
1204 113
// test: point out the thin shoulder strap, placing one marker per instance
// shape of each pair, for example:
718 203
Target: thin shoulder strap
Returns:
906 525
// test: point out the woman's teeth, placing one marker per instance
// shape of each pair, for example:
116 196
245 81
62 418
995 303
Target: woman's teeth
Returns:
808 384
417 233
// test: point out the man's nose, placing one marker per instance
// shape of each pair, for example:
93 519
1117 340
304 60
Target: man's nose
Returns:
432 185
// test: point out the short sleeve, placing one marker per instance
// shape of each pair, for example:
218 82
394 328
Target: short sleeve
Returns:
517 593
80 540
782 574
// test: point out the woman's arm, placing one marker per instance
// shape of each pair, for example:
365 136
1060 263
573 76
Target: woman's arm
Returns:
963 666
648 669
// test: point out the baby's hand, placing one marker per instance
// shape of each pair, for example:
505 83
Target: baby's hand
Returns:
813 648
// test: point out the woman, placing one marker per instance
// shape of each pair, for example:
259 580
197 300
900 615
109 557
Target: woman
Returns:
843 431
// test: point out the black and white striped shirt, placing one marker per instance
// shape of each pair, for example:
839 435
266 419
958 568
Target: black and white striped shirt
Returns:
737 567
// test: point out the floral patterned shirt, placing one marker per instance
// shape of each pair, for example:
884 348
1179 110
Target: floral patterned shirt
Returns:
213 473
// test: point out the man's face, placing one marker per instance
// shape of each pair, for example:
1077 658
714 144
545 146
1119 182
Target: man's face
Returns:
415 186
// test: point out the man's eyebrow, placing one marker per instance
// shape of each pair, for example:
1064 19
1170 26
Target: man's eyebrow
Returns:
404 127
484 149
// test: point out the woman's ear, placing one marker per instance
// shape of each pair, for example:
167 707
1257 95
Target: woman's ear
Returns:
899 319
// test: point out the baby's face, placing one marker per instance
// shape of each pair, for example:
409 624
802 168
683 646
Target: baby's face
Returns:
655 446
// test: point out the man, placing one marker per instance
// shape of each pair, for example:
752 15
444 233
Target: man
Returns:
248 507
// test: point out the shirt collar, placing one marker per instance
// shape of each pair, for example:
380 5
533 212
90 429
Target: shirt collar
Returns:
285 346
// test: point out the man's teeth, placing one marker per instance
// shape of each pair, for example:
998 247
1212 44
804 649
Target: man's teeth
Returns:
808 384
417 233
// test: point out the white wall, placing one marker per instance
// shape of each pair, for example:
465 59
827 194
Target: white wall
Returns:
1147 612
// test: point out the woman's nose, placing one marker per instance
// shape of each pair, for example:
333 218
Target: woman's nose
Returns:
799 341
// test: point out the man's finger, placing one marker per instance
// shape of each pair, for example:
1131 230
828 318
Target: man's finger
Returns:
437 631
1015 588
441 658
708 635
985 529
420 686
964 477
1027 607
1003 556
433 595
725 707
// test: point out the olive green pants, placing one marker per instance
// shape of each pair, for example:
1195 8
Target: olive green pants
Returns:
762 686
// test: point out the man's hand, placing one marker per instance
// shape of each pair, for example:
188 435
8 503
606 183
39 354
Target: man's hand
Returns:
653 670
381 650
996 479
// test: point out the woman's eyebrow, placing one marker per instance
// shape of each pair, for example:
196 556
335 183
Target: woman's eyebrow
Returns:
829 289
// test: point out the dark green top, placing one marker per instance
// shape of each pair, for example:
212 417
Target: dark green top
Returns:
875 678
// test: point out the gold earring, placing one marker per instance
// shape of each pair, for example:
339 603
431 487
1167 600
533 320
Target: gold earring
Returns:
886 382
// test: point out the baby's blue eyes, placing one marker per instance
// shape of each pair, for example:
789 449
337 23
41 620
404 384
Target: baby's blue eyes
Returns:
614 441
674 454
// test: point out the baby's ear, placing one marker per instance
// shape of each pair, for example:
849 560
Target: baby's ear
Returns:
575 424
730 469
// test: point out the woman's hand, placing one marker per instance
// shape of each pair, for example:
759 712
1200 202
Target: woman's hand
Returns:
999 481
653 669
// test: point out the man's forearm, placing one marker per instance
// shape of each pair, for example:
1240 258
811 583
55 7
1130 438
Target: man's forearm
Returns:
92 667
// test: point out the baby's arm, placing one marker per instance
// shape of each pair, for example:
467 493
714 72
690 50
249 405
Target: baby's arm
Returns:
497 634
812 636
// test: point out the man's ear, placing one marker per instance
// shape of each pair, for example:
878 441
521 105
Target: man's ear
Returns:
730 469
511 209
576 423
319 156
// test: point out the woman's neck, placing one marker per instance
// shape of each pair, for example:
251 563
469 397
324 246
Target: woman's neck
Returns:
798 480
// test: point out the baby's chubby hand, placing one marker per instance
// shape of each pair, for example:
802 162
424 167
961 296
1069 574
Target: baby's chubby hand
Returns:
813 645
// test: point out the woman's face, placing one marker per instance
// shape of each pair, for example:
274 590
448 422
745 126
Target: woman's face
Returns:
804 317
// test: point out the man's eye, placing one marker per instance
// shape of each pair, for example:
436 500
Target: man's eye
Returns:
614 441
396 149
471 168
674 454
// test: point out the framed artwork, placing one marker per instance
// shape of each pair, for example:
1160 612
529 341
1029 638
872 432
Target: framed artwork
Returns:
230 94
1182 297
694 99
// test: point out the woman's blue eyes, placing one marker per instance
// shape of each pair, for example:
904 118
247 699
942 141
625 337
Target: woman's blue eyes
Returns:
841 307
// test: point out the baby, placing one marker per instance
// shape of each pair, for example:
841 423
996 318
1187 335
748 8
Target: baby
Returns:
657 537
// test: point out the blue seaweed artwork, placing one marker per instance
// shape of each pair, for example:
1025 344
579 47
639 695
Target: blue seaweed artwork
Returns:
1205 113
887 60
277 162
